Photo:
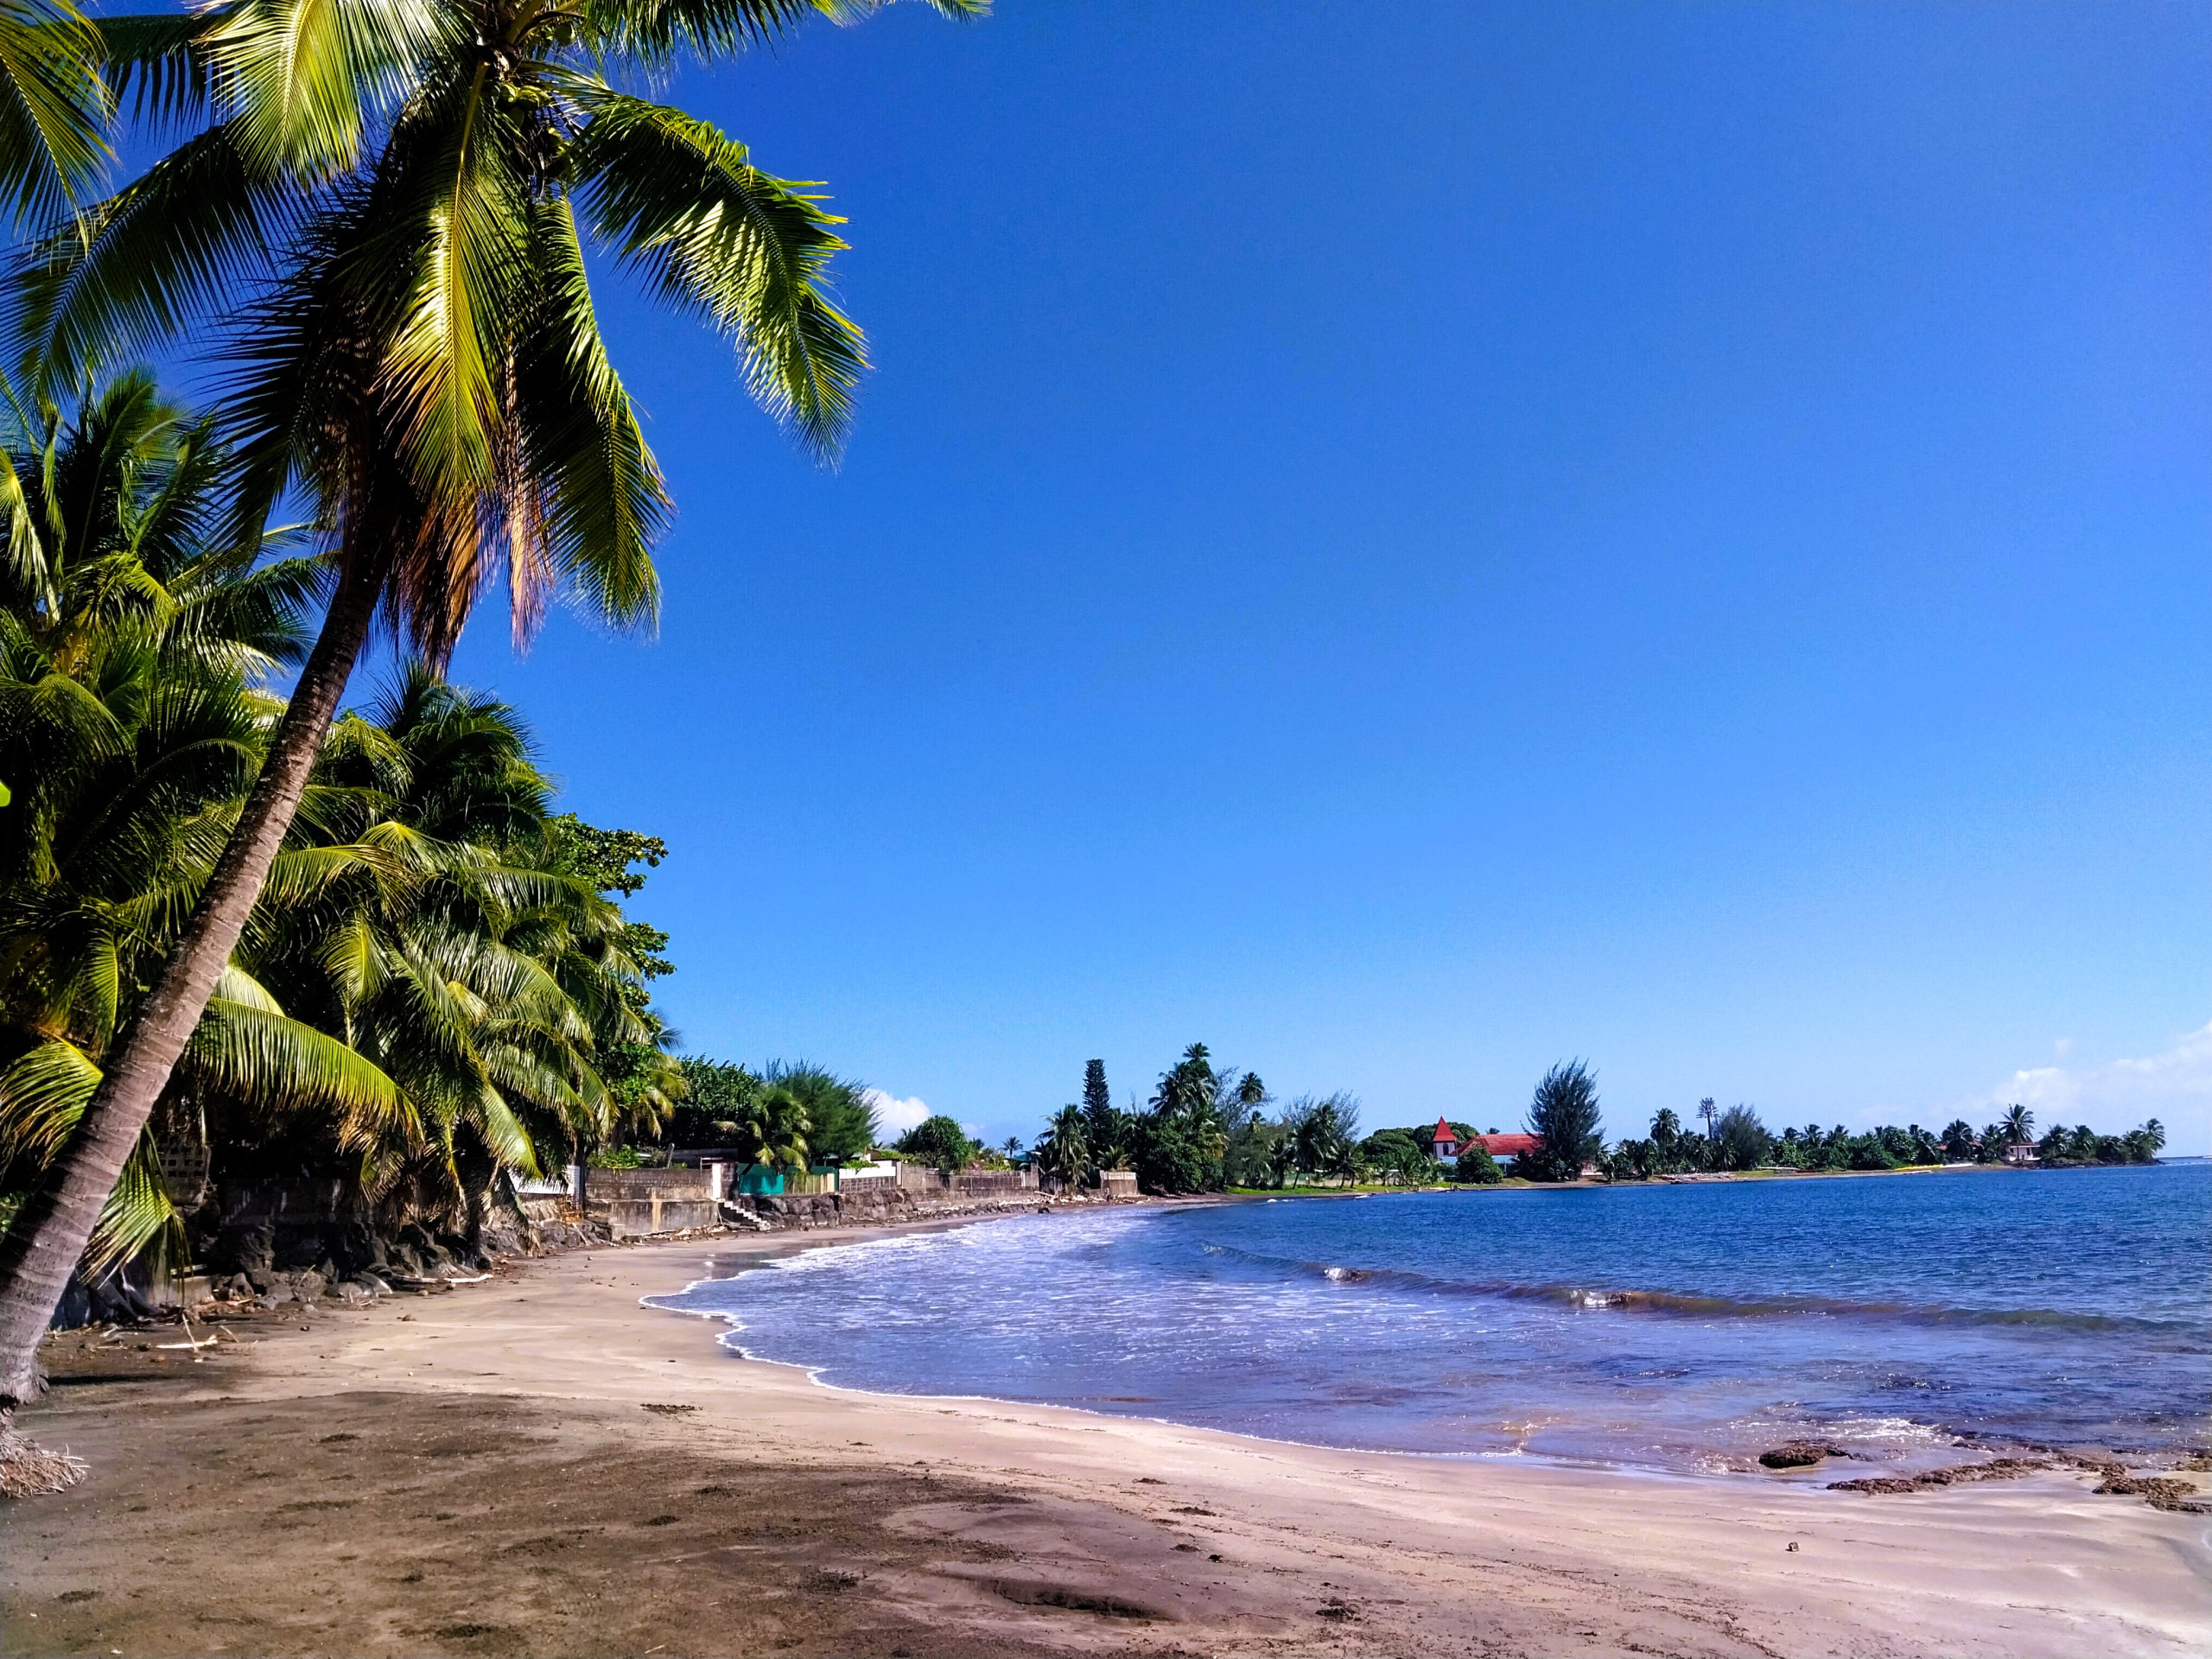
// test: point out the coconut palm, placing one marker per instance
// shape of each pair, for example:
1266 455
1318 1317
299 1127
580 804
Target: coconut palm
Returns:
1064 1150
129 653
2018 1125
774 1131
426 368
484 983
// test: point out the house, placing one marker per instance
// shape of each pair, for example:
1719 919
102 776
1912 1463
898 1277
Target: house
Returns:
1502 1146
1444 1142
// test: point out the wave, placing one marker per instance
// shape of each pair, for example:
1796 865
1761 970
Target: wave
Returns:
1690 1304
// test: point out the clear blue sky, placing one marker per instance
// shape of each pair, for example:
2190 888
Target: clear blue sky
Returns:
1408 541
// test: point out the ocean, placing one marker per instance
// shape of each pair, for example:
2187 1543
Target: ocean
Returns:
1670 1327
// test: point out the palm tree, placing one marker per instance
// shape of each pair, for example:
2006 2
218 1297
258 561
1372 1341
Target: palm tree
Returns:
129 656
487 985
1064 1150
427 367
2018 1124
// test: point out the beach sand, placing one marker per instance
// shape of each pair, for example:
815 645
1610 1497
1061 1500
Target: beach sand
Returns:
539 1464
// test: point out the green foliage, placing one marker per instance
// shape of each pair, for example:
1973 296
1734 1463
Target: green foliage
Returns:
1257 1154
939 1142
1400 1158
1063 1152
1564 1113
1739 1140
421 996
1476 1166
717 1096
843 1124
1109 1135
2061 1147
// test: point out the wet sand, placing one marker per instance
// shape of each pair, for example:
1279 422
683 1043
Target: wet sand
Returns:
540 1464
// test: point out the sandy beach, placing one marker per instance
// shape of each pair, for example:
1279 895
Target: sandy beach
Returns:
540 1464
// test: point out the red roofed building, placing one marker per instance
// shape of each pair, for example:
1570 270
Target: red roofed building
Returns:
1510 1145
1444 1143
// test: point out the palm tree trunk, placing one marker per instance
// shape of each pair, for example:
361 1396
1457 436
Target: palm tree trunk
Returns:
48 1237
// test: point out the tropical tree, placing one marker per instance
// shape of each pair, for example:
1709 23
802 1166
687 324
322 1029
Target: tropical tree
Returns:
939 1142
424 367
2017 1126
1959 1141
1563 1114
445 941
774 1132
1739 1140
841 1123
1109 1132
717 1095
130 648
1064 1150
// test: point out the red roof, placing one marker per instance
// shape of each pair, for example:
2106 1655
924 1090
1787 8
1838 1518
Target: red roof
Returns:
1446 1132
1508 1146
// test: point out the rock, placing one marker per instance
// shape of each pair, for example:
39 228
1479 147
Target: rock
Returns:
306 1286
2159 1491
1801 1455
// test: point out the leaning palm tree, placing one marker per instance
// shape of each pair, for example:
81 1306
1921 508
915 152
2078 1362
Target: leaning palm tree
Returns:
425 367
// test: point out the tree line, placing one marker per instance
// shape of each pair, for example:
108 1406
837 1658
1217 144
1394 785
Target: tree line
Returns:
1209 1129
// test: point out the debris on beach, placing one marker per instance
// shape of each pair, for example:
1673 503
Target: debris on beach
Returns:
29 1469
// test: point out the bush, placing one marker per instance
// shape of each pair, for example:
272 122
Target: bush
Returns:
1167 1159
1476 1167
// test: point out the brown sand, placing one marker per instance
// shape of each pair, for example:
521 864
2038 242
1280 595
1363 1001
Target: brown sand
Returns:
478 1472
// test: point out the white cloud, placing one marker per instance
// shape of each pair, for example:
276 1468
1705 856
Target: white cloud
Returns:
894 1115
2174 1085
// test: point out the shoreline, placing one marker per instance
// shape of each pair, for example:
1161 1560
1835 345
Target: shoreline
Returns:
549 1462
1957 1450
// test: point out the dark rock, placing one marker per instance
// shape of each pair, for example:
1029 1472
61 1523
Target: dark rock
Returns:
2159 1491
1801 1455
1964 1474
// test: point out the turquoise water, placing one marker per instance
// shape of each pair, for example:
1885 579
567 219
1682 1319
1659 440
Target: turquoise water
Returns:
1668 1326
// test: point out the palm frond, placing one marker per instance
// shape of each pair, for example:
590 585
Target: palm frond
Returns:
584 450
263 1056
747 252
307 75
145 261
53 109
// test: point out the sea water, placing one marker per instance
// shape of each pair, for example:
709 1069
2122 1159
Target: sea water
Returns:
1670 1327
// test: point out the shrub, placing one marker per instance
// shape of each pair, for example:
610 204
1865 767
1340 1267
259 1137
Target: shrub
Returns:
1476 1167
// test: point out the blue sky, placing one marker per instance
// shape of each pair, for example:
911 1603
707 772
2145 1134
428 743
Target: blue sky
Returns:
1409 542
